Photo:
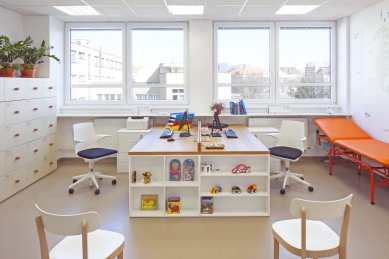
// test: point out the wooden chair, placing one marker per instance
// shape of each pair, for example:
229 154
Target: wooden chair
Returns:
308 237
84 239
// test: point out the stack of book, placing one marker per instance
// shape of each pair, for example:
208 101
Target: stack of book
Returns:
237 108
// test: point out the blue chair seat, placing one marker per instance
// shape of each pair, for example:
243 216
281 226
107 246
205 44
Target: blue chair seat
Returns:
94 153
286 152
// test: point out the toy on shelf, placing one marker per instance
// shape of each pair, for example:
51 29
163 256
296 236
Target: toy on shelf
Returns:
236 189
149 202
175 170
188 170
173 205
206 205
241 168
252 188
146 177
216 190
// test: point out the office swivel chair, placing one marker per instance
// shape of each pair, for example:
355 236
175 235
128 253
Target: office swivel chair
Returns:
289 148
88 149
83 238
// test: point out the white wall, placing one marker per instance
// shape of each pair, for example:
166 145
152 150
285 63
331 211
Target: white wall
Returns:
11 25
369 65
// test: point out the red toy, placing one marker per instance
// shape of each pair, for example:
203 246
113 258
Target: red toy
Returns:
252 188
241 168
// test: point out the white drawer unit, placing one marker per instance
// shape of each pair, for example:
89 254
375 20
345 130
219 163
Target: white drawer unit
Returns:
33 88
14 89
15 135
14 112
28 125
127 139
34 109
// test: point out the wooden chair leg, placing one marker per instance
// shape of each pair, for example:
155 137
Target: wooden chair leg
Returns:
276 249
120 256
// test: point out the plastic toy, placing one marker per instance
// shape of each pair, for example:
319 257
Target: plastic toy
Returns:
236 189
252 188
146 177
216 190
241 168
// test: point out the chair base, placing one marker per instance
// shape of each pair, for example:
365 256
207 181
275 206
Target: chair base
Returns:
91 176
286 174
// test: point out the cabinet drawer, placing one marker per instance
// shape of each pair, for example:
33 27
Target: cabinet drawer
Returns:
2 163
33 109
49 106
33 88
130 137
34 129
49 125
50 162
126 146
34 150
49 88
122 168
123 158
15 112
2 139
15 158
15 135
15 181
49 144
14 89
1 89
2 112
2 188
35 171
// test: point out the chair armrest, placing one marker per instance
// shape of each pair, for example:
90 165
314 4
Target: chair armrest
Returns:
274 135
101 136
78 140
303 139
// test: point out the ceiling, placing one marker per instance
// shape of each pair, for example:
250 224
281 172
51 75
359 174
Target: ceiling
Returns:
218 10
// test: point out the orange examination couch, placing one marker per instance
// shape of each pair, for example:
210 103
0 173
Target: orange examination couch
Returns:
350 141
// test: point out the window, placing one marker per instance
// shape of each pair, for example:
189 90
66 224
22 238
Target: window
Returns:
73 56
157 61
243 61
102 62
96 43
305 62
178 94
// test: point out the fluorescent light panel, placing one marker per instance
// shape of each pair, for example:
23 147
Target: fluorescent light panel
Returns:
186 9
296 9
77 10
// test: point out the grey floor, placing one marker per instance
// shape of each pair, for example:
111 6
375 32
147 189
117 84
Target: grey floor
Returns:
150 238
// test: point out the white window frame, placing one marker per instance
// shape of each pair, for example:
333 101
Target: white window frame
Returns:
271 60
67 59
332 62
130 26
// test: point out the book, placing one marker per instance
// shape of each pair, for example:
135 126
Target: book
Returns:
243 106
207 205
149 202
173 205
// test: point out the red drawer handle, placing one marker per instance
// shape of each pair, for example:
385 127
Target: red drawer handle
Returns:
16 88
16 181
51 106
35 109
17 158
16 112
36 150
50 87
36 129
35 88
17 135
51 163
51 144
51 125
35 171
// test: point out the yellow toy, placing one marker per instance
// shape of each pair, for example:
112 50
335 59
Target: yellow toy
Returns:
147 177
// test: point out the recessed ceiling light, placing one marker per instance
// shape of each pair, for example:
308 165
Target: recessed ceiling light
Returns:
186 9
78 10
296 9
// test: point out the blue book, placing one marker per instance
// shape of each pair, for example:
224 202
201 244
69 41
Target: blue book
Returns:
243 106
232 107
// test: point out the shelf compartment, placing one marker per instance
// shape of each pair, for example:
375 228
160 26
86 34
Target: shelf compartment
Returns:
244 193
182 183
184 213
142 164
135 201
228 174
258 163
189 202
182 159
149 185
240 206
262 182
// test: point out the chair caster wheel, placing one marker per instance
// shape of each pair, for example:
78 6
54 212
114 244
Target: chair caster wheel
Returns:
302 178
282 191
97 191
113 181
74 180
310 188
100 178
71 191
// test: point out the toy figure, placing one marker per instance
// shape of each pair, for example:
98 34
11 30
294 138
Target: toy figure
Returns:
147 177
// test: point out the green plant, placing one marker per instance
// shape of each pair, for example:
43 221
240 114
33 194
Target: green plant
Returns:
217 106
16 66
7 65
34 55
1 66
29 67
9 51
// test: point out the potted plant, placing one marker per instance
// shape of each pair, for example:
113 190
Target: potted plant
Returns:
218 106
11 68
28 70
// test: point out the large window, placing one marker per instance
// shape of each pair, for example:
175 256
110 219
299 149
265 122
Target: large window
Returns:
99 42
158 61
305 63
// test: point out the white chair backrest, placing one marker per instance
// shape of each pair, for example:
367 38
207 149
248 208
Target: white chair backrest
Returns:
320 210
68 225
85 132
291 134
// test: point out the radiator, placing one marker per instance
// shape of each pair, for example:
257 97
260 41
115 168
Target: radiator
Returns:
276 123
109 127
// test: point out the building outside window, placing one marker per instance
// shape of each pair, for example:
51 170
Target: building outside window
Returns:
73 56
81 55
81 78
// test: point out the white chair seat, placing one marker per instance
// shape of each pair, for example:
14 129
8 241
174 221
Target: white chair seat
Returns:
101 244
319 236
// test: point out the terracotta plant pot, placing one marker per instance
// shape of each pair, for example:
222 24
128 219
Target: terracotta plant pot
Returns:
27 73
2 72
9 72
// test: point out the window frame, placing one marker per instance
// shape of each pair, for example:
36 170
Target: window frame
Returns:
131 86
67 58
271 84
332 62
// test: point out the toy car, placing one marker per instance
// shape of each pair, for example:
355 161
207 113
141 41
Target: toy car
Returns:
236 189
252 188
216 189
241 168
